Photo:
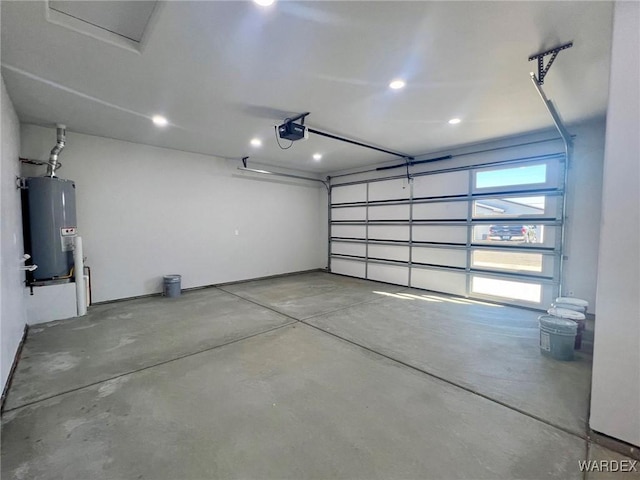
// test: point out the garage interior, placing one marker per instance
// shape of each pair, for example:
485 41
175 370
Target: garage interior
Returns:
358 300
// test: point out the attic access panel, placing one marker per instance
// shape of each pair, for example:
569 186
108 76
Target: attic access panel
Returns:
128 19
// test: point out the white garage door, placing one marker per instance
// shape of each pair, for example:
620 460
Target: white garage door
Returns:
490 231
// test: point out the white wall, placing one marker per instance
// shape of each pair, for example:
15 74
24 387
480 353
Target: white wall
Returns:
582 225
615 391
145 212
583 191
12 300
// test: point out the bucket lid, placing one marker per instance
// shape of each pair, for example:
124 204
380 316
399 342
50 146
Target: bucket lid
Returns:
566 313
568 306
562 325
578 302
172 278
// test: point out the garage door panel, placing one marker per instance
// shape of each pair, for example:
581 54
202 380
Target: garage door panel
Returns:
439 280
445 257
440 234
389 252
389 190
490 230
440 211
441 184
389 232
349 194
349 213
389 212
349 231
345 248
396 274
348 267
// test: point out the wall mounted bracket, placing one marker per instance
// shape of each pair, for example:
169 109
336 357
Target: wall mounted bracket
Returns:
542 70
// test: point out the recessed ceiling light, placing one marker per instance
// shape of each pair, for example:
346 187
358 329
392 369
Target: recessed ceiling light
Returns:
317 157
454 121
256 142
264 3
397 84
160 121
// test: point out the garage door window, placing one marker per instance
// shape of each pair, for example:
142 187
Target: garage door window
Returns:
504 177
512 261
507 289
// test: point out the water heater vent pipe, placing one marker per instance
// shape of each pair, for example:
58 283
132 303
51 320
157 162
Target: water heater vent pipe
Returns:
61 131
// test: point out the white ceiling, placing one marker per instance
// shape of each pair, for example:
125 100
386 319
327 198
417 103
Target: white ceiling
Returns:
225 72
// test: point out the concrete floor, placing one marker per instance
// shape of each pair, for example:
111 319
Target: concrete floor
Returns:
306 376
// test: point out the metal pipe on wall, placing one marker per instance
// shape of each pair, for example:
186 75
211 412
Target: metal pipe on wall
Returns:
55 151
78 271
